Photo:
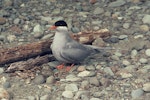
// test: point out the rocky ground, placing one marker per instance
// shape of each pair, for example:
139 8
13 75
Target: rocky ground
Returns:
121 74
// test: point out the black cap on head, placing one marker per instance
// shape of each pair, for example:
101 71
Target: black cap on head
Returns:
61 23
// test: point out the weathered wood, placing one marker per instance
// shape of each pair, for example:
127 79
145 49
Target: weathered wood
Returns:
29 64
23 52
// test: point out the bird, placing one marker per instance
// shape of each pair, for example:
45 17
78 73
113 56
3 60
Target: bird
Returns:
67 50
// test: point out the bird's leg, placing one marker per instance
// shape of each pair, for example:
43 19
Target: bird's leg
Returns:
68 68
60 67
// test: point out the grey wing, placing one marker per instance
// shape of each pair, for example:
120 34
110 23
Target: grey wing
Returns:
74 52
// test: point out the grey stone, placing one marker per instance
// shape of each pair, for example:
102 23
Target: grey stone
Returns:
71 87
108 71
94 81
137 93
50 80
121 37
146 19
39 79
117 3
17 21
75 30
45 97
147 52
67 94
6 85
98 10
143 60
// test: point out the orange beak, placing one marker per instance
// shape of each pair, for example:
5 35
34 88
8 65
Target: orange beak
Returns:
53 27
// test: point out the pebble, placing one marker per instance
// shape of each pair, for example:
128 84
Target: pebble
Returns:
84 74
81 68
31 98
108 71
4 95
122 37
113 40
147 52
6 85
2 20
117 3
71 87
80 93
125 62
130 68
98 10
144 28
137 93
126 25
85 84
38 35
134 53
17 21
94 81
11 38
90 68
1 70
72 78
45 97
146 87
125 75
67 94
38 29
39 79
95 99
143 60
146 19
50 80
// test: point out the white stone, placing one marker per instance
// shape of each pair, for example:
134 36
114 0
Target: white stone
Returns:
147 52
84 73
67 94
146 87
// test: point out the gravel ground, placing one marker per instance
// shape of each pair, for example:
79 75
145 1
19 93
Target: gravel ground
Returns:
120 74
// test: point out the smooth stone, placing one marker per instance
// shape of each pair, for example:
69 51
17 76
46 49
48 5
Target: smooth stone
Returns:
114 40
144 28
146 87
94 81
125 75
50 80
71 87
1 70
48 36
38 29
81 68
2 20
125 62
67 94
133 53
98 10
6 85
72 78
2 38
117 3
147 52
126 25
137 93
39 79
130 68
79 94
146 19
85 84
95 99
143 60
16 21
84 74
38 35
121 37
108 71
31 98
11 38
45 97
90 68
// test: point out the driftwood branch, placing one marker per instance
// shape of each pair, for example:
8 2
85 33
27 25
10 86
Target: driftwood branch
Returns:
23 52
